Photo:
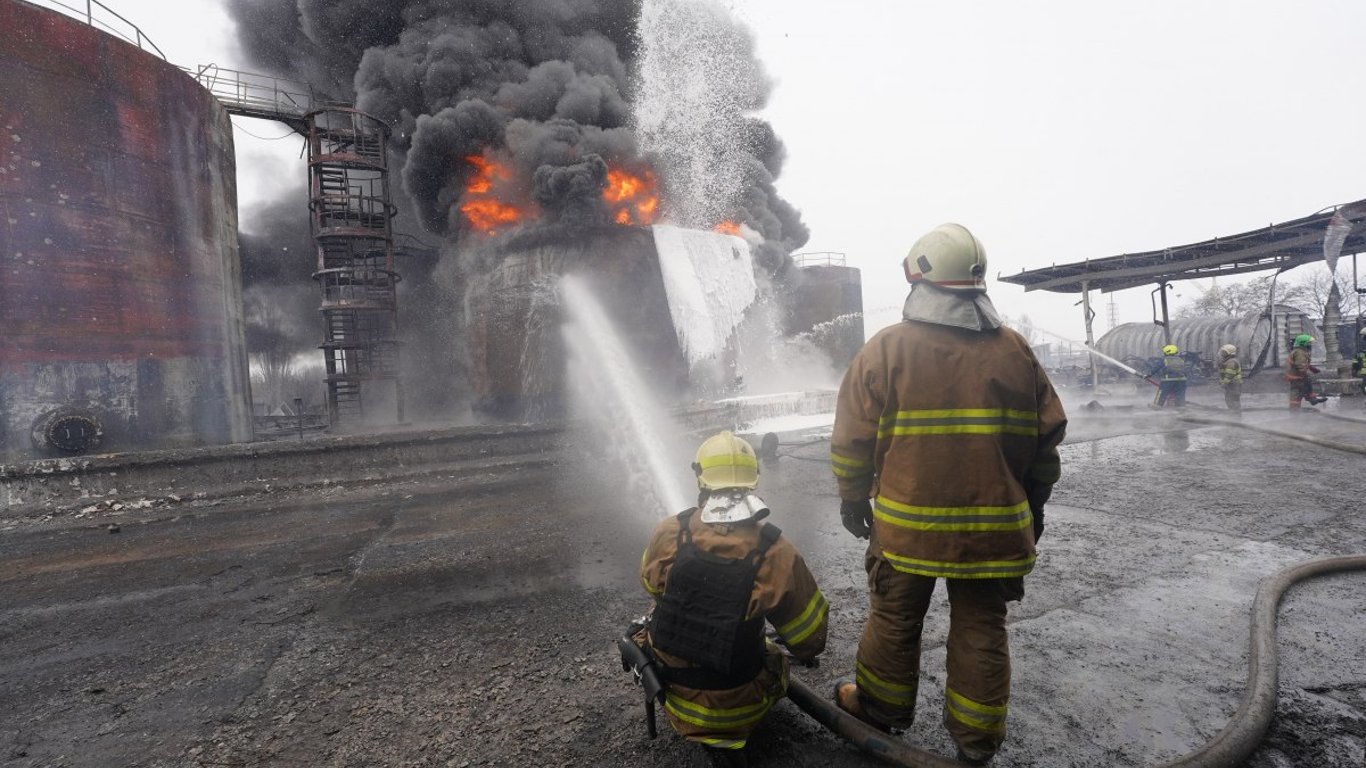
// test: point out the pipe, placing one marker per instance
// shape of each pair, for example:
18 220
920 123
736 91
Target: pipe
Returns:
1229 748
1278 433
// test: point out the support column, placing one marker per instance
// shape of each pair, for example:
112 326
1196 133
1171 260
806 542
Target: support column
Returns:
1088 315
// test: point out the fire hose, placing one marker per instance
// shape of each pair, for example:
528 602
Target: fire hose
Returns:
1230 747
1278 433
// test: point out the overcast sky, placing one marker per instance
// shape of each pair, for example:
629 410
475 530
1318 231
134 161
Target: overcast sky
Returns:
1056 131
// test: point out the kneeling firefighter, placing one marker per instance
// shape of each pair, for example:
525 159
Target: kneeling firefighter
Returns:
717 572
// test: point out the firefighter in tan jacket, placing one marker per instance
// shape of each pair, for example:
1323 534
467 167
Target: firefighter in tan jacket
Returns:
945 450
717 573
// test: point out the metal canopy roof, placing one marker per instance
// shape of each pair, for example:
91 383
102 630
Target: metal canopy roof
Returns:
1279 246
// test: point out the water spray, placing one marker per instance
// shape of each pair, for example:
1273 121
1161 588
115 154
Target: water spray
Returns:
1092 351
619 398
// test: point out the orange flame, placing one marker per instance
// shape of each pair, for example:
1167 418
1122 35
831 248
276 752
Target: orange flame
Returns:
727 228
633 199
485 212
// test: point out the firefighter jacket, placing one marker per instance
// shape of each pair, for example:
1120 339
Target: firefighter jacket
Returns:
784 593
1230 371
955 434
1173 368
1297 364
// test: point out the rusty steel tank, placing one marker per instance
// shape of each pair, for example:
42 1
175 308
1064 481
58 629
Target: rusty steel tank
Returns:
120 297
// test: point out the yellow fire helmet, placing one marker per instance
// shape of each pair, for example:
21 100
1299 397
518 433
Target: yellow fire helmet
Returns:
725 461
948 257
1170 349
1227 351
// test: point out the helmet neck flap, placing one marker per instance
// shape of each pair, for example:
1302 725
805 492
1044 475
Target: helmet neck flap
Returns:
961 309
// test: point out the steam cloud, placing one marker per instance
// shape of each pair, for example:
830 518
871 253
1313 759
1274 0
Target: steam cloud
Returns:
542 86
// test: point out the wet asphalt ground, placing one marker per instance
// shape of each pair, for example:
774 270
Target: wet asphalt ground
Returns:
424 625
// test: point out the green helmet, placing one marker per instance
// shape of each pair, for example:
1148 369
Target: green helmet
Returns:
1304 340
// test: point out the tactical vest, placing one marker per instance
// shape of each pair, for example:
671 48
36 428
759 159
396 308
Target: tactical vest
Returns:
702 615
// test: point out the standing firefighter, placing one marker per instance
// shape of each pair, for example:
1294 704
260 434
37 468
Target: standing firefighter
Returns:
947 422
1298 372
716 573
1171 387
1231 377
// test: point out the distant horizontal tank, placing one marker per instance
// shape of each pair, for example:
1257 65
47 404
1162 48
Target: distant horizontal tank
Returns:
119 278
1205 335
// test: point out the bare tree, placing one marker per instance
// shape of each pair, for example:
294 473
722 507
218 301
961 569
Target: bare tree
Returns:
1309 293
1315 288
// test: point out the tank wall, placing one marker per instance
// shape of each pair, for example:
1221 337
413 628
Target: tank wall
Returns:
119 274
827 303
517 354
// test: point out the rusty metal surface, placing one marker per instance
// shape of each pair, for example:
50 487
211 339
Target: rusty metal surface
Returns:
119 275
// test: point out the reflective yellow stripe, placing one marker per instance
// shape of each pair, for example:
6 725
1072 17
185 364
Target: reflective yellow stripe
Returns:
975 715
716 719
986 569
960 421
807 622
720 743
729 460
953 519
843 466
835 458
895 694
649 589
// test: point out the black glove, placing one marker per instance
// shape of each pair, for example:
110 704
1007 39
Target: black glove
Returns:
857 517
1038 523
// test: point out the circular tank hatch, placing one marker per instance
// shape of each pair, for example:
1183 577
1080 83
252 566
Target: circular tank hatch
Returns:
68 431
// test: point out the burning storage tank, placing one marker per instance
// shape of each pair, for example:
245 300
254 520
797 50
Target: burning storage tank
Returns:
1251 333
119 275
675 296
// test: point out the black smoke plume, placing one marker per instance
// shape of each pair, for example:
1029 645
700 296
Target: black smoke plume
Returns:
542 85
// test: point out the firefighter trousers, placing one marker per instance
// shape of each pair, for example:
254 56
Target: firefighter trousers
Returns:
978 653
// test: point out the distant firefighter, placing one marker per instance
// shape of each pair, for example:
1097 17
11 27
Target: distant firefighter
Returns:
948 422
1231 377
717 573
1298 372
1171 373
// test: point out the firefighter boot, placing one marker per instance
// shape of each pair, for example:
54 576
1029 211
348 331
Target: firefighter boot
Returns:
846 698
965 760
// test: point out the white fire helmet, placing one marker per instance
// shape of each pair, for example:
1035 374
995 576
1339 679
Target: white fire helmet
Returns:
948 257
1228 351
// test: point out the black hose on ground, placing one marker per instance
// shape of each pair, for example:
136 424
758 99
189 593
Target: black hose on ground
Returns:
1232 745
867 738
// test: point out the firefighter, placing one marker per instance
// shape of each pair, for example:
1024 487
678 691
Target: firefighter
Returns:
1298 372
717 573
1231 377
945 450
1171 387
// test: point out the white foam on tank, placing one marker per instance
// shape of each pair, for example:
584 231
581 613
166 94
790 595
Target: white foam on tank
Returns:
709 283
